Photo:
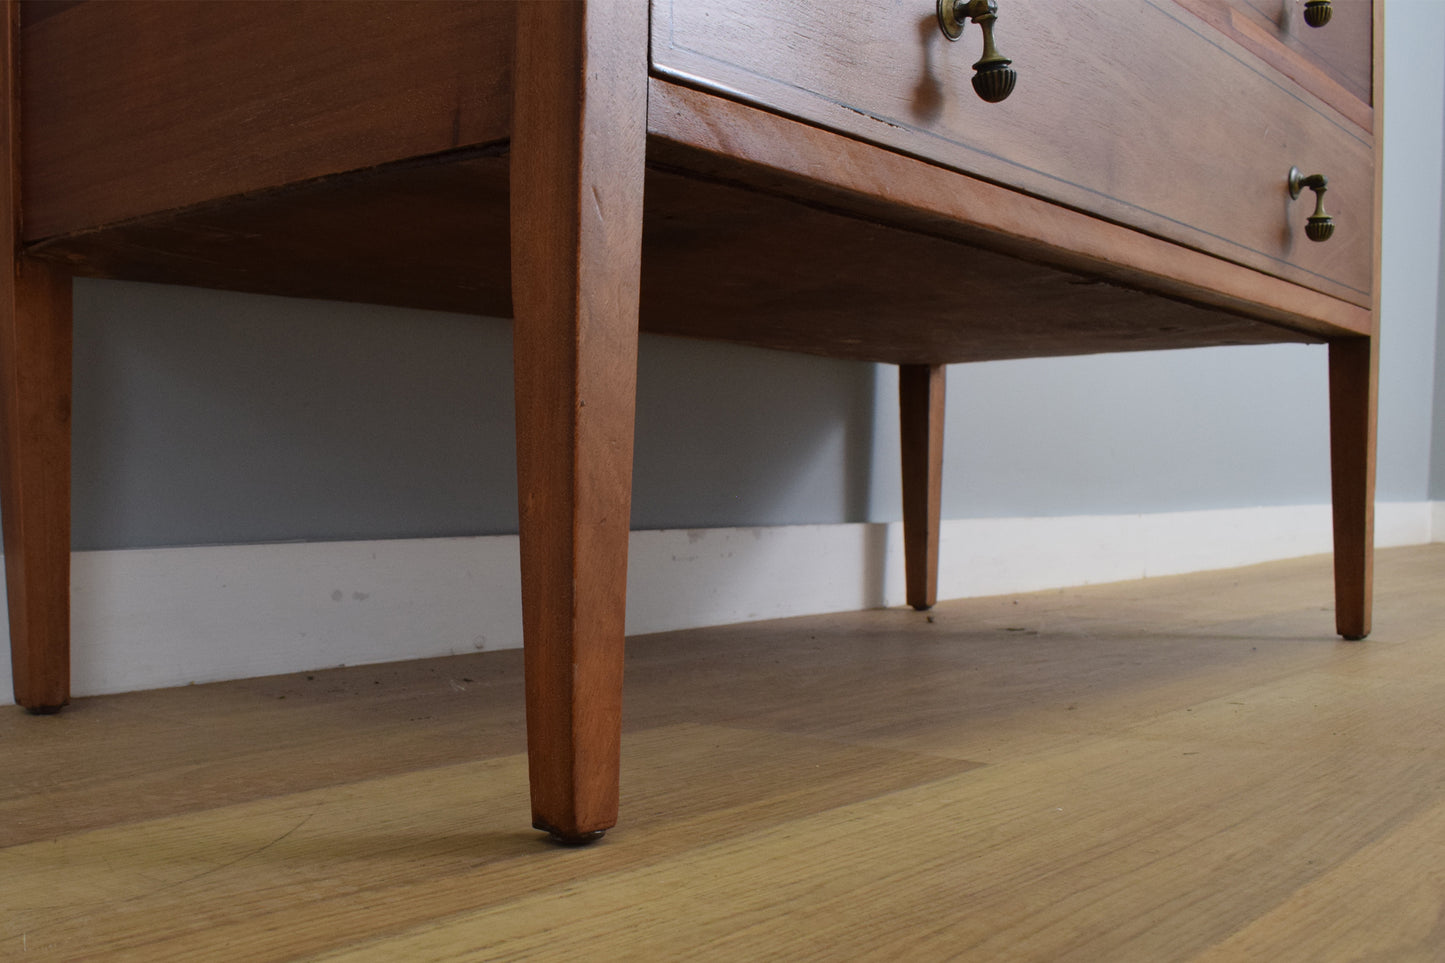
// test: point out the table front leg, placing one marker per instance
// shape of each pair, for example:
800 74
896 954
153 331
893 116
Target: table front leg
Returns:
579 133
1354 367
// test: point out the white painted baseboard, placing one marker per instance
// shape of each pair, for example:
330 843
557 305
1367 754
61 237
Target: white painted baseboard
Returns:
147 618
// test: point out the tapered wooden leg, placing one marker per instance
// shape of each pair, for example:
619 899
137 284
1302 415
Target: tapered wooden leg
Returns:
577 162
1354 365
35 481
920 406
34 433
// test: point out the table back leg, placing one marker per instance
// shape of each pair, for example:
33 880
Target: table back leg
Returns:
1354 364
920 407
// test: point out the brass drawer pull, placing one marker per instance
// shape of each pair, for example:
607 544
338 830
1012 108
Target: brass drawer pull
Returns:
1318 12
993 78
1320 225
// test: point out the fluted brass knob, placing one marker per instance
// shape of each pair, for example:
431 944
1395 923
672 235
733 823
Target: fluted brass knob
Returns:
1318 12
1319 226
993 78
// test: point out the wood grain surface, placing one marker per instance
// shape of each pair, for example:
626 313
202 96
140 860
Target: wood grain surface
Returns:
35 381
1135 110
921 406
576 228
1179 769
212 100
138 107
1354 393
372 167
738 144
861 243
904 289
1354 417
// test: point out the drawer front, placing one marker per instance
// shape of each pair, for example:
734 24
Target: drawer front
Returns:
137 107
1332 61
1341 48
1138 111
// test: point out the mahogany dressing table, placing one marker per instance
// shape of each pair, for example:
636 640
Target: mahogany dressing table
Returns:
803 176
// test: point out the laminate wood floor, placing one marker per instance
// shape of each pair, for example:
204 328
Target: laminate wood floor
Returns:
1187 768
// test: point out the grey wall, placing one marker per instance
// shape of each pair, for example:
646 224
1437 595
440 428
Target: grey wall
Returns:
211 417
1437 449
1410 285
1149 432
1437 446
208 417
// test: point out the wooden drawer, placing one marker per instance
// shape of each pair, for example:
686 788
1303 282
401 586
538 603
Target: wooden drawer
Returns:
1341 48
131 108
1139 111
1332 62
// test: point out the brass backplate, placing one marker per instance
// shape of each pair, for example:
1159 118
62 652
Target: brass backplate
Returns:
948 20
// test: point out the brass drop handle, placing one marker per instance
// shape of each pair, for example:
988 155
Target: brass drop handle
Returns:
993 78
1320 225
1318 12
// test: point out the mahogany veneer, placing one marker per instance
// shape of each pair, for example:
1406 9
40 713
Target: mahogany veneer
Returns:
747 170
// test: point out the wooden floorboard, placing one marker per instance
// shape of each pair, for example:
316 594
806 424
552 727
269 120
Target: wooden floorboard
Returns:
1186 768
